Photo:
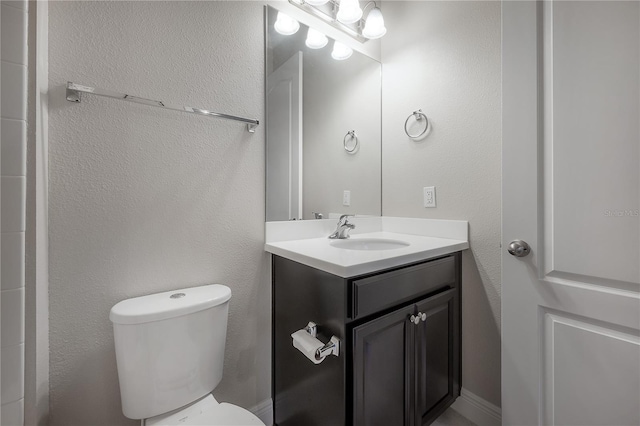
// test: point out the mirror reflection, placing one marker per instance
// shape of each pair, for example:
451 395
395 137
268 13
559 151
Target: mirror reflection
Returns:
323 125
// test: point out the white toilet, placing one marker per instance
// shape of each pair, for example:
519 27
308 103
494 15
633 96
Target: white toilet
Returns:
170 353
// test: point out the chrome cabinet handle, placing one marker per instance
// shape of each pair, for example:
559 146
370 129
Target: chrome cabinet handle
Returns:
518 248
415 319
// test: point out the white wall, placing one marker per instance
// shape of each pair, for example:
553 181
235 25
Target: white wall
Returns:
13 53
444 57
144 200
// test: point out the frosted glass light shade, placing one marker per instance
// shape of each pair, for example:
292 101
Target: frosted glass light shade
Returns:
349 11
316 2
374 26
286 25
315 39
340 51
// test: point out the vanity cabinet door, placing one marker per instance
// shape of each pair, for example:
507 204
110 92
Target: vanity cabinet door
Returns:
437 356
382 359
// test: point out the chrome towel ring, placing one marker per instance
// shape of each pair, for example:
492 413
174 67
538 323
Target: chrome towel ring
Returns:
351 134
419 116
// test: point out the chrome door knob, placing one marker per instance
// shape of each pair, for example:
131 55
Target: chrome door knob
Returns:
518 248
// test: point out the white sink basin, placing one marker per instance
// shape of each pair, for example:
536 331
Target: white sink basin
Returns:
369 244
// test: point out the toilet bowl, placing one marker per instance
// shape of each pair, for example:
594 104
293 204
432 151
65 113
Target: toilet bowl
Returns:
207 411
170 352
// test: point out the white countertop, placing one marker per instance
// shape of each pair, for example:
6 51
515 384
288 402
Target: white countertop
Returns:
318 253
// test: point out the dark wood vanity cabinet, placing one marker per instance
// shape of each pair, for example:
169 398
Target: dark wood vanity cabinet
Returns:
383 361
406 373
399 362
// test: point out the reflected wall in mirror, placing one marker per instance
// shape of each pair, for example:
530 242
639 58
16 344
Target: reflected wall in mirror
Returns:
313 102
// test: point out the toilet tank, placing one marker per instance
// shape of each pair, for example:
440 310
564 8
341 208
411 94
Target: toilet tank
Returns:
169 348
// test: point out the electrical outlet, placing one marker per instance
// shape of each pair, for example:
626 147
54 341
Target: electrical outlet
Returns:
429 196
346 198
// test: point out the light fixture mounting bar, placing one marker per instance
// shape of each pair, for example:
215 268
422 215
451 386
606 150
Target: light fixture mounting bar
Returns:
331 20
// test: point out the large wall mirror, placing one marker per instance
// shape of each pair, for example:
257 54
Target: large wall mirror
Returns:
323 126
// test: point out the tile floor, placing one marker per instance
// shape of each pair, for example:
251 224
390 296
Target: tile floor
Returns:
452 418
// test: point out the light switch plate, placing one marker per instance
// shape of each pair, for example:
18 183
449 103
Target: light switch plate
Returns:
346 198
429 196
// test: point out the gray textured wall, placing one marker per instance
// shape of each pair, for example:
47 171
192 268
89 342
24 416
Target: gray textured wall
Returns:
144 200
444 57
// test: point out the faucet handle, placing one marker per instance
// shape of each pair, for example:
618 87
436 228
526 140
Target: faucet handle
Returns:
344 218
343 227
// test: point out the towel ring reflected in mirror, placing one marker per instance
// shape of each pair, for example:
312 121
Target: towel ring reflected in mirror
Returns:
350 142
419 116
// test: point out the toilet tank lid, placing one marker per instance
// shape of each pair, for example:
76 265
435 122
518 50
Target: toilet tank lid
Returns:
170 304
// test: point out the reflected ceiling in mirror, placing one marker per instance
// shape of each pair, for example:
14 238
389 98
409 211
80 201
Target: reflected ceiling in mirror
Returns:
323 126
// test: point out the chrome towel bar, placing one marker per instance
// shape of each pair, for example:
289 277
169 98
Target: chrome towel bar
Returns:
74 90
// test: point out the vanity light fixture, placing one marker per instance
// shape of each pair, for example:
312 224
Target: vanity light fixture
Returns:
286 25
315 39
349 11
346 15
315 2
341 51
374 25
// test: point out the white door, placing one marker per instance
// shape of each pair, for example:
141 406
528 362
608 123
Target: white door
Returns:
284 141
571 307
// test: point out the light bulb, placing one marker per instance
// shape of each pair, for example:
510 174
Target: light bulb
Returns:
286 25
349 11
374 26
316 2
315 39
340 51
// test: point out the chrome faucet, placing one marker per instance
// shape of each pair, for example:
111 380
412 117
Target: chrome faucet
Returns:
343 228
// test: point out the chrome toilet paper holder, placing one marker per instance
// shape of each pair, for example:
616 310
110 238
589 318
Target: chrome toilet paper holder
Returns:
332 347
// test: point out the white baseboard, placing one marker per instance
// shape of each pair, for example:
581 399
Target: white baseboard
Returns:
264 411
478 410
